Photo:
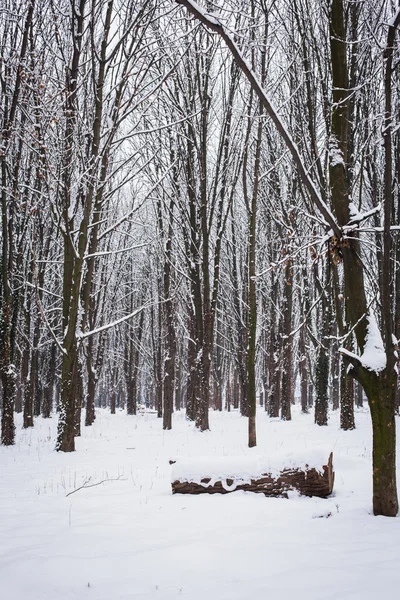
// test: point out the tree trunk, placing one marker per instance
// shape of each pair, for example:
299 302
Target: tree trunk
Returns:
303 373
90 413
78 399
381 393
7 415
359 395
321 387
30 393
346 400
113 400
37 400
335 381
287 345
66 421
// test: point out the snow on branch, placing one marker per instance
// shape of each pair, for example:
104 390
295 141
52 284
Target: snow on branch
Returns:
119 251
358 217
136 312
395 21
373 357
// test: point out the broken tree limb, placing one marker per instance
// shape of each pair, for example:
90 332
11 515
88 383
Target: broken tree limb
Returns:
308 481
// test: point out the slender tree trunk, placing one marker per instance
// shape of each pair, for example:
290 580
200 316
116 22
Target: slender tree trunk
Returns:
48 391
346 400
30 393
113 400
37 401
303 373
90 414
169 362
287 350
322 367
251 349
359 396
178 383
321 387
274 372
335 382
78 398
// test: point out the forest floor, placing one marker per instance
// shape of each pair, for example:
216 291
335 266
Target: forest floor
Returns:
129 538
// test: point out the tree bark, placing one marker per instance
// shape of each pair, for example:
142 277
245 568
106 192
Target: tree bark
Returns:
309 482
287 345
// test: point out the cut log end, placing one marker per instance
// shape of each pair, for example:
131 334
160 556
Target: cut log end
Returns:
308 482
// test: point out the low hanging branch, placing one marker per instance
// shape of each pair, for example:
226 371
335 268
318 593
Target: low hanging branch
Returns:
308 481
211 21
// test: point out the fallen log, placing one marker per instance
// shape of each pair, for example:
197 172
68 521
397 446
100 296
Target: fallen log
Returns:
307 480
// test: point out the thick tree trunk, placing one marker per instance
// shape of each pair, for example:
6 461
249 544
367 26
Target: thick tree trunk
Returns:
381 393
131 389
66 421
7 416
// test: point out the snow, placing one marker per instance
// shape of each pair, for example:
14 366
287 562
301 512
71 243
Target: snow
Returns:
374 356
396 16
356 217
354 212
335 153
129 538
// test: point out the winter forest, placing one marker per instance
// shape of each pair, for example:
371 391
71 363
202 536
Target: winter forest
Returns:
200 232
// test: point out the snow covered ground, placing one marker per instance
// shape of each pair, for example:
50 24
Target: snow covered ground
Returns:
129 539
